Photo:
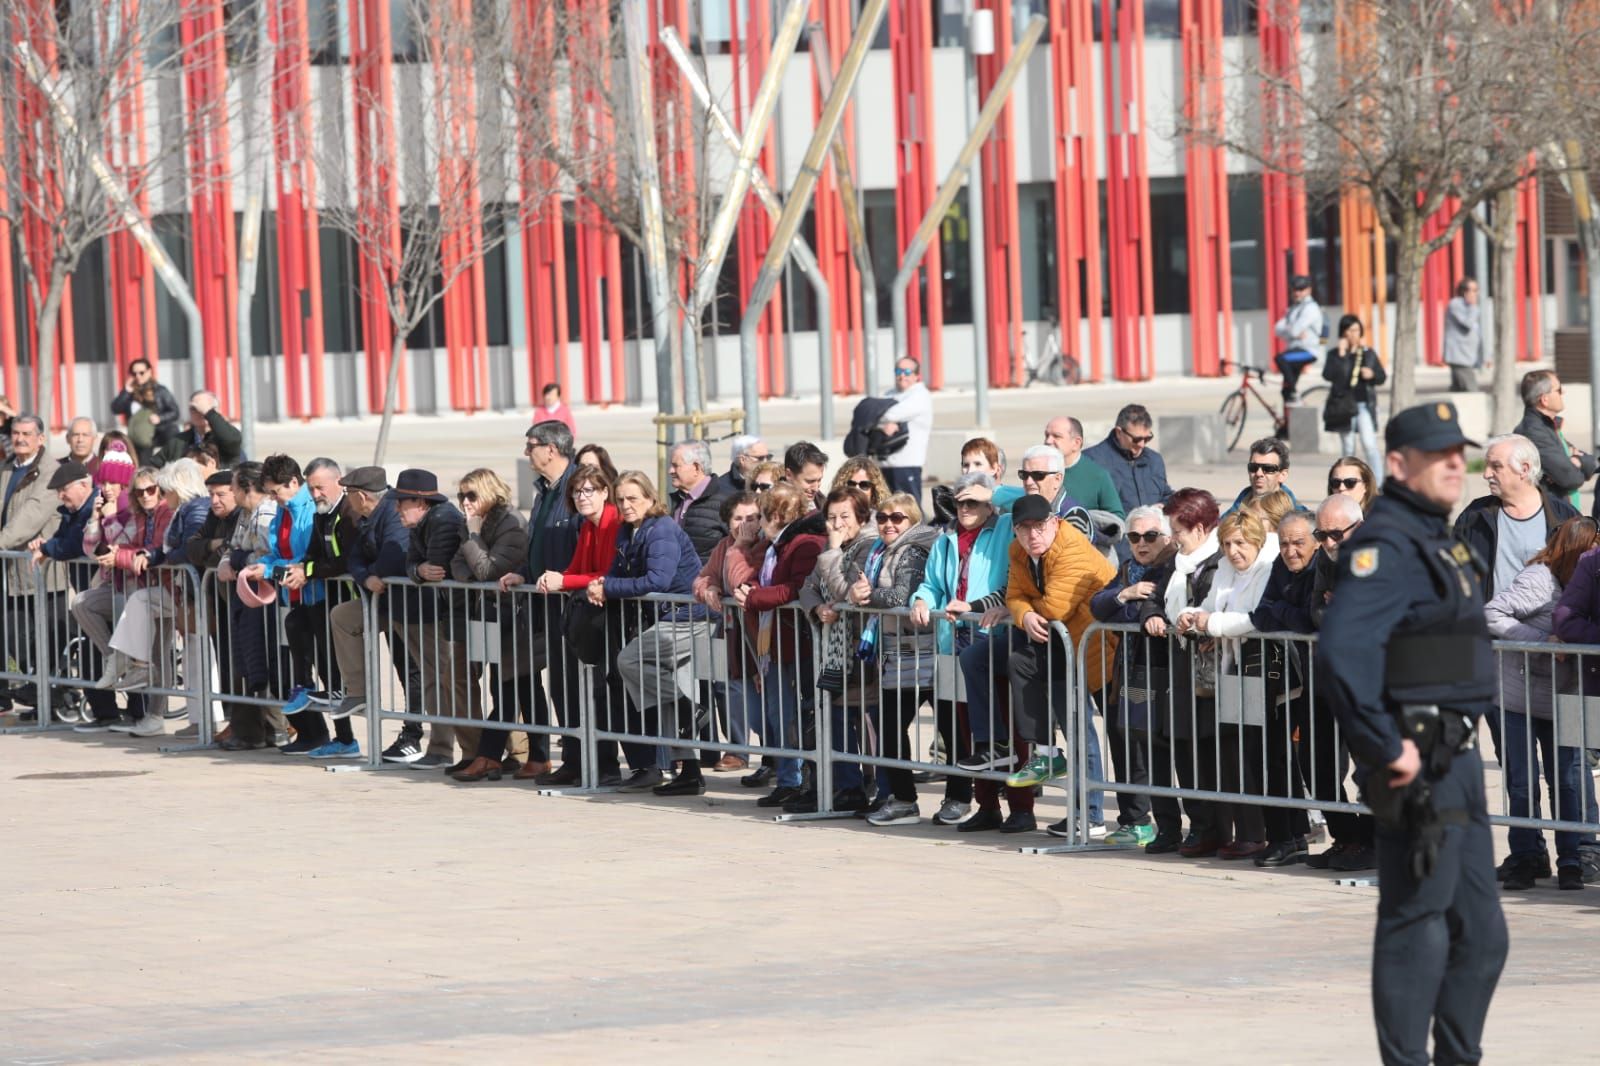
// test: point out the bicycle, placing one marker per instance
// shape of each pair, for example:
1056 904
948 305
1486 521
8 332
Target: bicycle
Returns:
1053 366
1236 405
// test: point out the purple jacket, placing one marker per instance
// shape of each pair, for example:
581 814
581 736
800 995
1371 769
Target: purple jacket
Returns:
1577 616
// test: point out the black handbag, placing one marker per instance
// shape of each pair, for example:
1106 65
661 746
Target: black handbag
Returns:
585 627
1146 682
1267 660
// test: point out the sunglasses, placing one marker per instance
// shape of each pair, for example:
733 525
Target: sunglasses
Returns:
1263 468
148 490
1036 475
864 486
1334 536
1144 538
764 486
971 505
1337 483
1146 439
894 517
467 497
902 373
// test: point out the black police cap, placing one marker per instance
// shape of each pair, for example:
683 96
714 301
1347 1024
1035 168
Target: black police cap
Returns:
1432 427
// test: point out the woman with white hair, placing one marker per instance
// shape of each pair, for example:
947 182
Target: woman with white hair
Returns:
145 626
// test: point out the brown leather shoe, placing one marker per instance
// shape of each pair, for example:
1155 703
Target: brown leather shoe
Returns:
1241 849
530 770
730 763
480 769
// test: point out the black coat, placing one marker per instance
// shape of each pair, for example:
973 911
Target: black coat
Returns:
703 520
1559 476
1344 396
434 540
1479 529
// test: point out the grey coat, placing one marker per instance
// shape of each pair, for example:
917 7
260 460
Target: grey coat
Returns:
1462 342
1525 612
31 512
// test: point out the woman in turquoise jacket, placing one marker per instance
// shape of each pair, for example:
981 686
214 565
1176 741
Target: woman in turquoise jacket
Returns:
966 572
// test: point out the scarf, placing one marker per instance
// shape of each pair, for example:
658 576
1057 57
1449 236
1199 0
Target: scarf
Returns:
1185 563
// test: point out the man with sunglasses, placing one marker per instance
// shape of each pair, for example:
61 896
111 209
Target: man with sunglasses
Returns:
1267 469
1136 469
1564 468
746 453
1511 524
1407 662
913 409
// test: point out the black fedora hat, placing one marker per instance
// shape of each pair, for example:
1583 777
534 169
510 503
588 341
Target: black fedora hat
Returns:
414 484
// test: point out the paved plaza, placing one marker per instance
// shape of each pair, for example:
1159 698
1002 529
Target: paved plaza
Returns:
210 908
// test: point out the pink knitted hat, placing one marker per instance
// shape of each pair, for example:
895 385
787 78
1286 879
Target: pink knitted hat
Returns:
116 466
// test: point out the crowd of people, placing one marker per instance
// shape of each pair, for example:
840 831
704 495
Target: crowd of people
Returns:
844 597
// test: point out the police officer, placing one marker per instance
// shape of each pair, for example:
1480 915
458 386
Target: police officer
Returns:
1409 600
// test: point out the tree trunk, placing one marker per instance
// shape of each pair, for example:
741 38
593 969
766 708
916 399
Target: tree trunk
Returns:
397 352
44 361
1589 241
1503 238
1407 296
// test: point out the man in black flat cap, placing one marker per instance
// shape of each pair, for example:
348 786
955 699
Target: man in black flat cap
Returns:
1301 330
1410 669
433 623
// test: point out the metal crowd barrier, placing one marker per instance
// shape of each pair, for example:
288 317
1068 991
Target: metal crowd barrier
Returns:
1248 733
1253 732
938 717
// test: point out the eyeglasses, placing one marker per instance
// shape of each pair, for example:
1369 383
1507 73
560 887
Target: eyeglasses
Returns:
1036 475
754 458
1334 536
467 497
1337 483
1263 468
1144 538
892 517
764 486
864 486
148 490
588 490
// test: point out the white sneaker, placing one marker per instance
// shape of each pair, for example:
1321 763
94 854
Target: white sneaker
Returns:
151 725
951 812
1098 832
137 677
895 812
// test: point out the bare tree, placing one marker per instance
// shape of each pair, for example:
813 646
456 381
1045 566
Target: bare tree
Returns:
1437 99
1574 158
103 66
432 192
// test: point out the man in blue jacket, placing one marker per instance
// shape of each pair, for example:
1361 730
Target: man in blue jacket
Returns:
1136 469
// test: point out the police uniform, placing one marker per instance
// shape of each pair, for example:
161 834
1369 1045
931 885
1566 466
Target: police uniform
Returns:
1406 652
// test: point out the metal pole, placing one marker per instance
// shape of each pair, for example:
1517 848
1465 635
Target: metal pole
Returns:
977 268
800 198
249 258
171 278
720 233
855 225
800 250
651 220
958 174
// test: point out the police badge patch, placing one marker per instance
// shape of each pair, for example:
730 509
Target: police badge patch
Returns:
1364 563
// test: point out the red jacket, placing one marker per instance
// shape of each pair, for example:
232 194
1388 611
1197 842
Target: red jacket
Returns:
597 547
797 557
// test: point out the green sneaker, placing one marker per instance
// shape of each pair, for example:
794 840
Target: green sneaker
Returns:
1132 835
1040 768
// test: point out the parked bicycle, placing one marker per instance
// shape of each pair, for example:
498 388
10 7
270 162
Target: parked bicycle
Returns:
1236 406
1053 366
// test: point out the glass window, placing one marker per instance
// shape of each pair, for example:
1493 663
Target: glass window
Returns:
342 309
326 28
1245 243
954 237
1036 226
172 326
800 306
1169 245
498 323
949 23
91 323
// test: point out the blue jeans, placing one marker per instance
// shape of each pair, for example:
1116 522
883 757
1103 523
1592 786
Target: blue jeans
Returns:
845 721
1564 772
1363 427
779 706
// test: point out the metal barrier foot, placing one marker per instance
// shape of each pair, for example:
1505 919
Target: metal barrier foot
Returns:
1356 882
53 727
576 790
814 816
178 749
1070 849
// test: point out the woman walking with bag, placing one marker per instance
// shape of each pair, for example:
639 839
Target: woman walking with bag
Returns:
1353 372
